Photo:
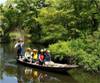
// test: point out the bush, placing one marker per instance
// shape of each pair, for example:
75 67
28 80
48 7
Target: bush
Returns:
85 51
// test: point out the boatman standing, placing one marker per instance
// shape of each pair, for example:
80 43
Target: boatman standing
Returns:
19 46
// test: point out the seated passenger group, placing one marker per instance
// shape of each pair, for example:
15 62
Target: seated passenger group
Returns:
38 57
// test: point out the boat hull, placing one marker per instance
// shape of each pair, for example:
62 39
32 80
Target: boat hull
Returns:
46 68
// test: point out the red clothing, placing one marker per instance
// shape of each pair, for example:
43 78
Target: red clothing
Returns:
41 57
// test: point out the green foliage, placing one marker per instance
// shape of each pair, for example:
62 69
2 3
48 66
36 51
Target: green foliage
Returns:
52 33
73 17
85 51
60 48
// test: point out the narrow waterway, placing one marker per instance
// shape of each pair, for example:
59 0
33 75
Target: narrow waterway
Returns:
11 72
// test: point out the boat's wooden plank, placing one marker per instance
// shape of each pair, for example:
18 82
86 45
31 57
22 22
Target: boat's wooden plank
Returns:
55 65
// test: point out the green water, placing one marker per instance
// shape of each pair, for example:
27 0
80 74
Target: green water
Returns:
11 72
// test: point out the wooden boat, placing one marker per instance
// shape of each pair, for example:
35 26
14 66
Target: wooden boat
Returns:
54 68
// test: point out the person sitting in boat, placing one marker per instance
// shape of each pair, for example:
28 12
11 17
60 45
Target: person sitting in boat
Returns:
19 46
47 55
41 57
35 55
28 55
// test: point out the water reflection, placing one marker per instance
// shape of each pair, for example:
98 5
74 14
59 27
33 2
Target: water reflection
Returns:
28 75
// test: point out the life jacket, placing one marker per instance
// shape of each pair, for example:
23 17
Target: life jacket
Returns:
35 56
41 57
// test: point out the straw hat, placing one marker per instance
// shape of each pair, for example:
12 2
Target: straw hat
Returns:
20 40
28 49
41 50
44 49
35 50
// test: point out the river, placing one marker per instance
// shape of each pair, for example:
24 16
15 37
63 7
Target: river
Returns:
11 72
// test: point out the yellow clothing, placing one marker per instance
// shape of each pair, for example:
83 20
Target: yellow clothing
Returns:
35 56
